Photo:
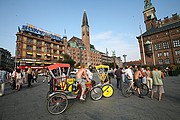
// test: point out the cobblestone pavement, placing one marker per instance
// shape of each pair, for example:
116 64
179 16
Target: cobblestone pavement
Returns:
30 104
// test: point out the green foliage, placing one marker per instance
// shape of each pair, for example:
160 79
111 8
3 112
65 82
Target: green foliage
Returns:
67 59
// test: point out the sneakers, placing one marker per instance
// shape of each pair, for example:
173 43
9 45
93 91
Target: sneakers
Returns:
159 99
82 99
151 97
141 96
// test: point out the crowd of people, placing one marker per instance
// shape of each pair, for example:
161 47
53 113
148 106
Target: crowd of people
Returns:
133 75
17 79
137 75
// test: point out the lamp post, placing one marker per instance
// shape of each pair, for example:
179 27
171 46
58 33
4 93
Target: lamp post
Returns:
153 54
114 55
142 46
124 59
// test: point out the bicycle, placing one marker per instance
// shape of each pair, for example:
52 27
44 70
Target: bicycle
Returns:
94 90
58 101
128 89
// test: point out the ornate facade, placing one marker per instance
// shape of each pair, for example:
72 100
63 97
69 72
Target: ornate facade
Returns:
160 43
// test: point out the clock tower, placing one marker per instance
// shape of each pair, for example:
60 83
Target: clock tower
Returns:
86 37
149 15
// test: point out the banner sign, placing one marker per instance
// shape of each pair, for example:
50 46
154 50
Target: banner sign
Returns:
33 29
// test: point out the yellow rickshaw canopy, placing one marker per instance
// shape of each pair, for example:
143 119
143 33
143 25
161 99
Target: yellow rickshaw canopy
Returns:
101 66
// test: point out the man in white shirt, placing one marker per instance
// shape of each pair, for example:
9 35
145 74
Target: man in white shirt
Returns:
129 74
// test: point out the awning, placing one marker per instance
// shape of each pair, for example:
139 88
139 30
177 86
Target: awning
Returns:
28 62
30 53
38 54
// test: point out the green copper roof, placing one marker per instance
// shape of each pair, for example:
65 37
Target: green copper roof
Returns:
147 5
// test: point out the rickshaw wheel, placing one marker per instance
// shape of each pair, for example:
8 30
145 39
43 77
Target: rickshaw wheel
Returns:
107 90
96 93
57 103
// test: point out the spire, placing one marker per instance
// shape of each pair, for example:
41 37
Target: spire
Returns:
147 5
85 20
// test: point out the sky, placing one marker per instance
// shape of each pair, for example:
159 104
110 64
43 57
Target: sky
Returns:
114 24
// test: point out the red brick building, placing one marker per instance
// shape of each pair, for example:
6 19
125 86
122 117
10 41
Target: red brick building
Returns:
160 43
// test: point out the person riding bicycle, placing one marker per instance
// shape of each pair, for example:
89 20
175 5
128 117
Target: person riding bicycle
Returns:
79 78
137 81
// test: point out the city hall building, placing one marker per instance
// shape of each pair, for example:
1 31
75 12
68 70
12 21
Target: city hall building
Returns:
160 43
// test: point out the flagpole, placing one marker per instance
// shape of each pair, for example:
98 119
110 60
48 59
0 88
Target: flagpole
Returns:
142 45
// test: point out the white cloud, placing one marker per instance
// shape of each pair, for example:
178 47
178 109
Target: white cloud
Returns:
121 43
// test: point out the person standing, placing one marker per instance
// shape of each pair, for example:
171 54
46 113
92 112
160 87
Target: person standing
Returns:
157 83
19 79
149 78
129 75
47 75
14 79
36 74
137 81
3 78
29 76
118 76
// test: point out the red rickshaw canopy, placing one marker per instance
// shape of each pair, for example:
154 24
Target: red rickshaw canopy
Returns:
57 65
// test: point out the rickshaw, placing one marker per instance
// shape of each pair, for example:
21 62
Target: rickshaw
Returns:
105 84
64 87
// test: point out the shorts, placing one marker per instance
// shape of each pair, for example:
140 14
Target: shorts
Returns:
82 82
137 83
158 88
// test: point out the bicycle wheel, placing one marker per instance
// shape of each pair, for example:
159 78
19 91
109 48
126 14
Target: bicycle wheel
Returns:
107 90
126 91
144 89
57 103
47 95
96 93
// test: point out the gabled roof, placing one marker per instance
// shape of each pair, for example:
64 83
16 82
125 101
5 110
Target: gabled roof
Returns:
161 29
76 42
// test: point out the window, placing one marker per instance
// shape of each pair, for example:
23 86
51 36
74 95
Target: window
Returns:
39 42
29 40
38 49
55 51
177 52
166 54
165 45
167 61
176 43
29 55
178 60
29 47
160 61
157 46
159 54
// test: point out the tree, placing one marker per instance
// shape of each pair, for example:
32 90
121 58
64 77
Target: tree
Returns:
67 59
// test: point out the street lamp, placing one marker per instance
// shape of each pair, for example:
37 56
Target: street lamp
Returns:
124 59
114 55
